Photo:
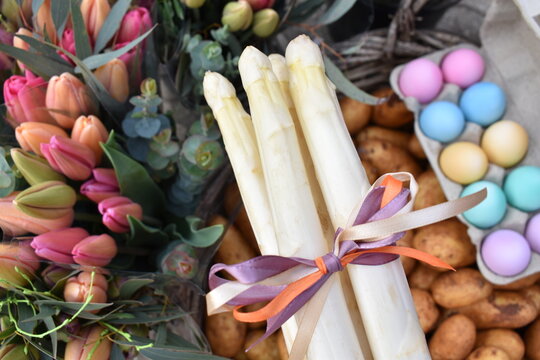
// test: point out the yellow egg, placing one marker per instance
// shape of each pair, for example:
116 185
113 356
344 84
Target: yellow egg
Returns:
463 162
505 143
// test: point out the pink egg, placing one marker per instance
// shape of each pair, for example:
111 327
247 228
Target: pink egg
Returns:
421 79
463 67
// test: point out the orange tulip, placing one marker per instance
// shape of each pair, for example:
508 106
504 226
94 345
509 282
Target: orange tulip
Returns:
94 13
78 288
90 131
44 22
31 135
115 78
17 256
21 44
88 342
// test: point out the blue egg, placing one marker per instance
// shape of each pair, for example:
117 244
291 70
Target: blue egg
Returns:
489 212
442 121
522 188
483 103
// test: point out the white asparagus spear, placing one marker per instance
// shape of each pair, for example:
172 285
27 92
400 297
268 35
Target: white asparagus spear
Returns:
295 218
239 138
382 292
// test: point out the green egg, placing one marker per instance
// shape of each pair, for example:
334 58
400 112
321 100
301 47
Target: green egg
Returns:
522 188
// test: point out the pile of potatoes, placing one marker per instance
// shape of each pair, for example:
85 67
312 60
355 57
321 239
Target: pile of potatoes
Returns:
462 314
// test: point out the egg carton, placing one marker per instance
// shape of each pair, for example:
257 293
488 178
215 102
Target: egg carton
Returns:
514 218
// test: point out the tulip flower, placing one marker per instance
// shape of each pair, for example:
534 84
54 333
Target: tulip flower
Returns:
25 99
115 78
67 42
46 200
265 22
14 222
21 44
95 250
44 23
90 131
67 99
18 352
103 186
193 4
135 23
237 15
94 13
57 245
133 61
89 342
257 5
78 288
52 275
115 211
31 135
69 157
33 168
12 11
16 257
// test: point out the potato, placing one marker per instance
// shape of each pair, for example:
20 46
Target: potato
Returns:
232 200
387 157
395 137
460 288
268 349
371 171
241 355
488 353
429 191
423 276
416 148
454 339
355 113
392 113
502 309
234 248
407 262
519 284
507 340
533 294
427 311
532 341
282 346
225 334
448 240
255 307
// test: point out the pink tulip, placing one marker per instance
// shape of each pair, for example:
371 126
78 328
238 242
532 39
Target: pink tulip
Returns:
57 245
260 4
133 60
25 99
115 211
103 186
95 250
67 42
69 157
20 256
135 23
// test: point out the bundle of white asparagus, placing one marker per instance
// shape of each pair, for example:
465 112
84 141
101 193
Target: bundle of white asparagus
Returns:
299 182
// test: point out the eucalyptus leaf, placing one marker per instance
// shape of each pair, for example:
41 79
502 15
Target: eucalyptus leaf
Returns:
116 353
171 353
49 322
82 40
45 311
194 236
45 49
59 13
36 4
142 235
72 305
156 161
336 11
111 24
304 10
130 287
138 148
144 318
39 65
25 312
346 86
147 127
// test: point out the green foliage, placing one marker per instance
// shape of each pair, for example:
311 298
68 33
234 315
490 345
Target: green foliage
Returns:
7 176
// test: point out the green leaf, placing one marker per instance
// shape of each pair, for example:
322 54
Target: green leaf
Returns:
130 287
143 318
196 237
72 305
95 61
111 24
24 313
7 333
346 87
59 13
145 236
170 353
134 181
36 4
44 312
116 353
304 10
82 40
336 11
45 49
54 335
39 65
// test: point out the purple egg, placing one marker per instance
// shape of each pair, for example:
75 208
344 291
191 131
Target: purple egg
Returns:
421 79
506 252
532 233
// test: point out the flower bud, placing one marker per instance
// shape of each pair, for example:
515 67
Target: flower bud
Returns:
33 168
135 23
14 222
57 245
148 87
16 257
257 5
18 352
47 200
115 211
21 44
25 99
103 186
193 4
89 343
31 135
44 23
95 250
237 15
69 157
54 275
68 42
265 22
94 13
133 60
78 288
115 78
90 131
67 99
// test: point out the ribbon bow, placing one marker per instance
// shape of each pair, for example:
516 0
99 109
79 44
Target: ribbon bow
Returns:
291 282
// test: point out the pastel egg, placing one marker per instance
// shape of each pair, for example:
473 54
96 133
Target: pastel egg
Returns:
463 67
506 252
505 143
442 121
532 233
483 103
463 162
522 188
421 79
491 210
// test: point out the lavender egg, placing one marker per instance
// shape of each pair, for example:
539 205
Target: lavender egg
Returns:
506 252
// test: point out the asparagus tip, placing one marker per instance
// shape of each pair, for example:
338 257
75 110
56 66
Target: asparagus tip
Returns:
303 49
251 64
216 87
279 67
